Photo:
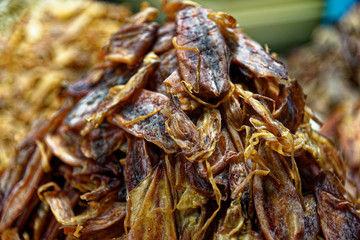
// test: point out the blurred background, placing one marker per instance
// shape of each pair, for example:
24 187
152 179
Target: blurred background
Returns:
45 44
282 24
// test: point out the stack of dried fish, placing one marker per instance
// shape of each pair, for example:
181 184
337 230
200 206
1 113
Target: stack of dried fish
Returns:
54 42
189 130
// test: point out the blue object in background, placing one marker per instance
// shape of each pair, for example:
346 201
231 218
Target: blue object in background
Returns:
335 9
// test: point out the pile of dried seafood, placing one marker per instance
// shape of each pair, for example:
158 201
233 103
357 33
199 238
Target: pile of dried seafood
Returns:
189 130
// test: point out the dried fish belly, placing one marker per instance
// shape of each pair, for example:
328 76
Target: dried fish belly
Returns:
191 132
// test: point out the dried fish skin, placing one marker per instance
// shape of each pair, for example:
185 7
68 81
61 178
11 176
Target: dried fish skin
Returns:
120 93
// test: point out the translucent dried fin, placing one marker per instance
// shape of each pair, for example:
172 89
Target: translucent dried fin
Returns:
217 193
251 153
209 127
143 206
283 134
235 137
235 112
296 175
247 100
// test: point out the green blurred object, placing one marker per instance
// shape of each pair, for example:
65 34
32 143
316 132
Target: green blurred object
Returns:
281 24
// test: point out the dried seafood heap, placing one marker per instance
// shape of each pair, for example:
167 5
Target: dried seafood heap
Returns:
53 43
189 130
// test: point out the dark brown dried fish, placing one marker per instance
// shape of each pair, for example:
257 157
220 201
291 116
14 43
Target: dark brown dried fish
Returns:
131 43
254 61
202 53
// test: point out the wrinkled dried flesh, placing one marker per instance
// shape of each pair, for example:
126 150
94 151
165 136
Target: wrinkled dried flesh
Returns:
131 43
175 88
311 218
99 215
254 61
120 93
59 203
164 38
85 108
102 141
224 154
15 172
143 118
65 145
291 110
100 76
202 53
338 217
137 164
94 96
198 182
168 64
104 189
85 84
234 225
278 206
21 193
196 141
